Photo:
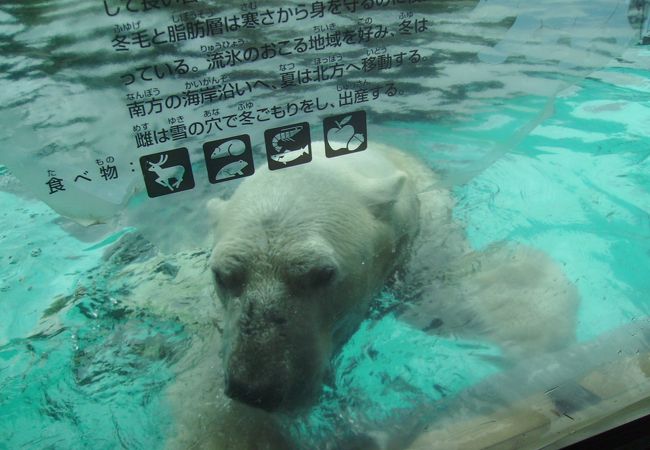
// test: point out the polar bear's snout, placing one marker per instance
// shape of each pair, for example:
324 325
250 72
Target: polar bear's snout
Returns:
275 345
270 363
272 375
264 397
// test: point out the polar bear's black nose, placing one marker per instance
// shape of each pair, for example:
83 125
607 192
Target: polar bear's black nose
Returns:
264 397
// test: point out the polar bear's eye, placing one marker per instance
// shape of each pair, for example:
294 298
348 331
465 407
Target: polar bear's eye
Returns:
318 277
228 280
311 272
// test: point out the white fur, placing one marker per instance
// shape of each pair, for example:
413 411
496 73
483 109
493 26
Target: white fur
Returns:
366 215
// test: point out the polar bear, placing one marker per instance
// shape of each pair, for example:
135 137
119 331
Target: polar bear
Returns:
300 253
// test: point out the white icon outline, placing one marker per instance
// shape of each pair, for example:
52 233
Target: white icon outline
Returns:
166 174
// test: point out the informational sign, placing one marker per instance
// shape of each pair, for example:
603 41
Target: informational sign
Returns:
129 101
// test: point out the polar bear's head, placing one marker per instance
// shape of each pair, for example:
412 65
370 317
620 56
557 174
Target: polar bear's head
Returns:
297 259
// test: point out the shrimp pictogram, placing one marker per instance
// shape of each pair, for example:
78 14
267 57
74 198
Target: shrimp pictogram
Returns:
285 135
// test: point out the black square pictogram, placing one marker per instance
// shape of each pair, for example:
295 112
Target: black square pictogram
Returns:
288 146
345 134
167 172
228 159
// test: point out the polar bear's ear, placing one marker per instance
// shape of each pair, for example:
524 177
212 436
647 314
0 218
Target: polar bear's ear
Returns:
215 208
382 193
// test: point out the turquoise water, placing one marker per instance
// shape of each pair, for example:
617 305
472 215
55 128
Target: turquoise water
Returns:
78 369
534 115
73 373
